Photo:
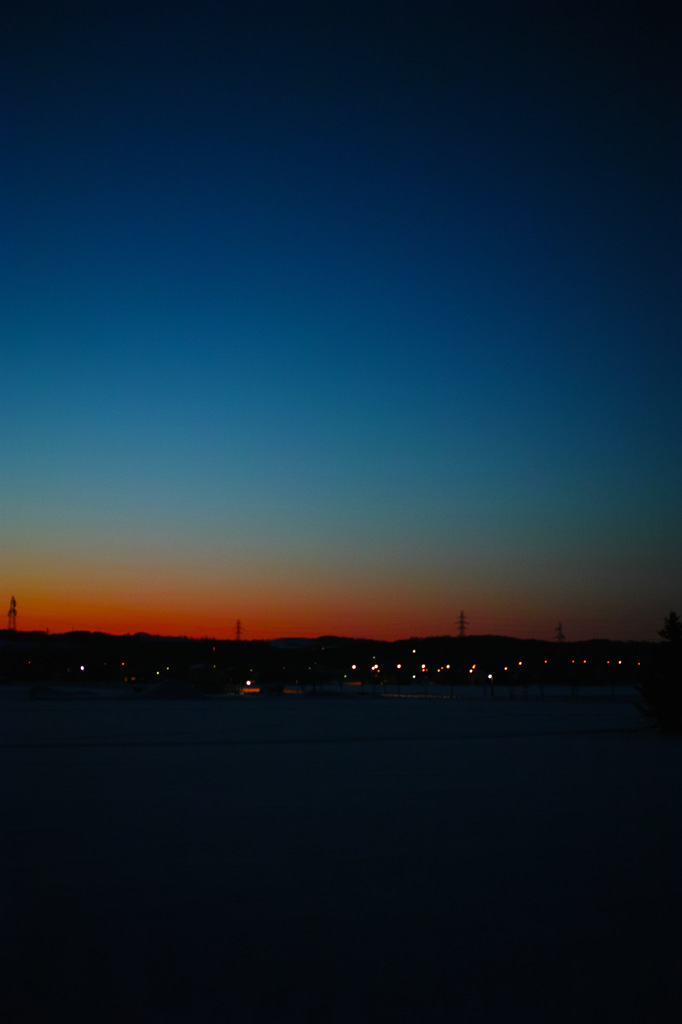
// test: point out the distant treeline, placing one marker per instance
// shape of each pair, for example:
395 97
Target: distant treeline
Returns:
140 658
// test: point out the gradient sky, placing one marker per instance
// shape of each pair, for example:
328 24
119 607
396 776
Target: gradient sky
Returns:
341 318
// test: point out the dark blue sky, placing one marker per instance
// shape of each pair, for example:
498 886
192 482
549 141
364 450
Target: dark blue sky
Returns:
342 317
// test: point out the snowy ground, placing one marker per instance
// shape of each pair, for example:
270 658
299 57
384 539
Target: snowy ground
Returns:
340 860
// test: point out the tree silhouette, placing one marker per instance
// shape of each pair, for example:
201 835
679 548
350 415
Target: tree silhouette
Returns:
672 628
661 689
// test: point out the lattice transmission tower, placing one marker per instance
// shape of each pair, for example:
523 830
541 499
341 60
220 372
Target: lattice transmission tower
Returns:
12 616
462 625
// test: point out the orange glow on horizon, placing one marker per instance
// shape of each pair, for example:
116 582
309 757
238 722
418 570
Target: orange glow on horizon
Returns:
265 612
41 611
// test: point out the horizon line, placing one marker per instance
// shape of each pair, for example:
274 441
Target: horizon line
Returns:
323 636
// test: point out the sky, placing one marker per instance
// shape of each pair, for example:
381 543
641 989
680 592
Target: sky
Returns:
341 318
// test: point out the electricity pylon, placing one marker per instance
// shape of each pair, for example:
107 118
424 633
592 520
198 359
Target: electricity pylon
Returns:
462 624
12 615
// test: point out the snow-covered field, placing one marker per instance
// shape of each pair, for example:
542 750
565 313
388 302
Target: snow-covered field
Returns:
342 860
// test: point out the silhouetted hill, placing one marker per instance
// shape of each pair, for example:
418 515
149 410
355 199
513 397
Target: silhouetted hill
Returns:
143 657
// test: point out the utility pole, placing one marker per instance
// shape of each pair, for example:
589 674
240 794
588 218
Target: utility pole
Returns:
12 616
238 630
462 624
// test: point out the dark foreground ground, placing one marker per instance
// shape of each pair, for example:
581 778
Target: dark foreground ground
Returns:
338 860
